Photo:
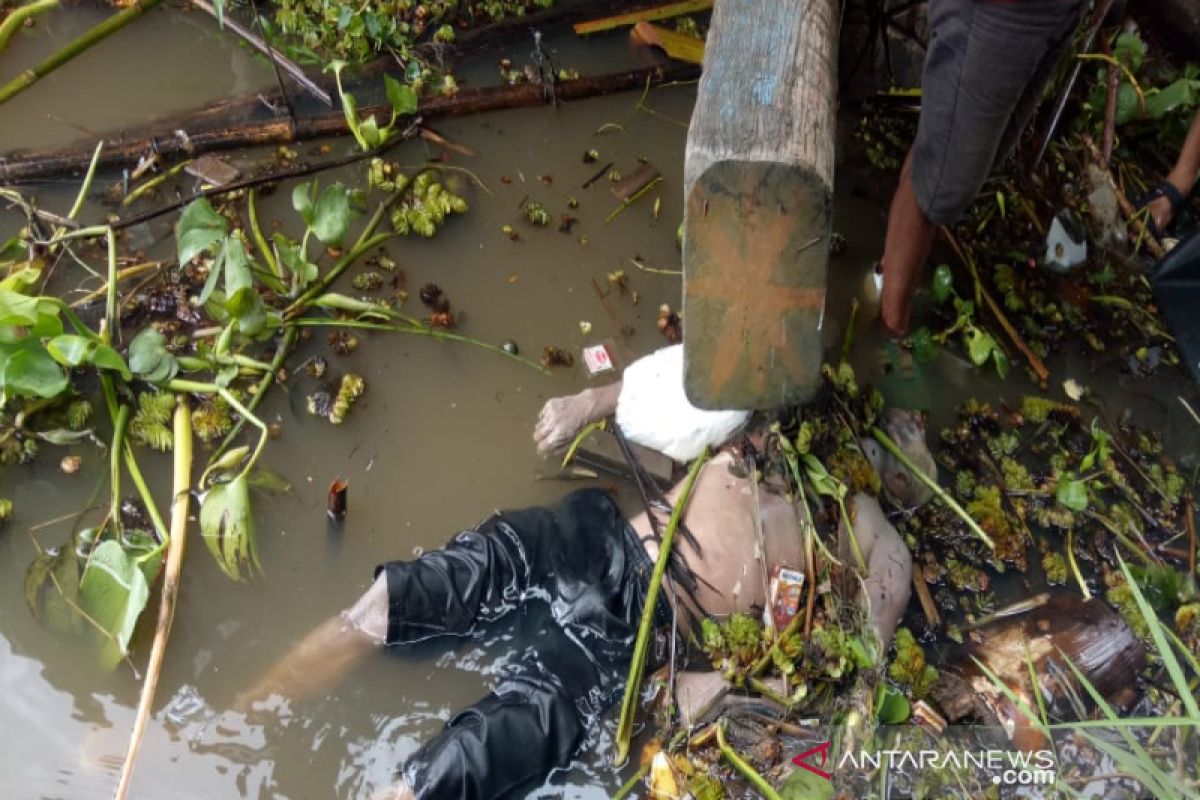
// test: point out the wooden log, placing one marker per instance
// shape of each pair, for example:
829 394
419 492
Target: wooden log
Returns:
758 183
212 128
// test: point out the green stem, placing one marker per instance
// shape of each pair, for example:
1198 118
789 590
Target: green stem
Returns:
638 664
632 783
587 431
110 400
632 199
793 463
87 179
858 556
920 475
157 180
764 661
114 467
290 335
366 240
112 321
748 772
259 239
1087 595
197 387
96 34
18 16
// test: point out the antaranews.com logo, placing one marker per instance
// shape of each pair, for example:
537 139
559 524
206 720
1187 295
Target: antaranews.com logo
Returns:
970 762
1007 767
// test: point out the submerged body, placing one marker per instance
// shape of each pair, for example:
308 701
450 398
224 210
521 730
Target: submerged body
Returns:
591 566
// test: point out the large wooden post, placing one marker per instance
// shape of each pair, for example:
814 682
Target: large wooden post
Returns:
758 182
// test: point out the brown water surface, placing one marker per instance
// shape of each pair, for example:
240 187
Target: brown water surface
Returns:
441 438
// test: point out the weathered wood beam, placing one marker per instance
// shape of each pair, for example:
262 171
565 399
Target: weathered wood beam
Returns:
758 182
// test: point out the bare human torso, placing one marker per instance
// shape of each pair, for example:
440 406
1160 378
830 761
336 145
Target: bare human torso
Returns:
721 514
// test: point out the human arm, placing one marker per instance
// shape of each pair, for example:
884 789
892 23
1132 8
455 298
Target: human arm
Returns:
562 418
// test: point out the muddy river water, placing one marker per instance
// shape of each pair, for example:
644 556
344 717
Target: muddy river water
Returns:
441 438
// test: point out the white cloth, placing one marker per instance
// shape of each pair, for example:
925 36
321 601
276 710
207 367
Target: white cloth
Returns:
654 411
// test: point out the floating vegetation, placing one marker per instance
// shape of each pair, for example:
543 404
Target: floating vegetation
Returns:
537 214
351 388
426 206
150 425
557 357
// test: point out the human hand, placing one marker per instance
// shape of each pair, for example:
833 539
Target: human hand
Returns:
560 421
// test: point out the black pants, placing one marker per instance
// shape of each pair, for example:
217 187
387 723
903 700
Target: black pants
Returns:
579 556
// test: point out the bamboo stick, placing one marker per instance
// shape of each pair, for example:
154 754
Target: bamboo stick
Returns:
97 34
170 589
19 15
652 14
279 59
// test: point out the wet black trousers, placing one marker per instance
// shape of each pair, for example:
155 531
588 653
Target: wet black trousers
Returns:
579 556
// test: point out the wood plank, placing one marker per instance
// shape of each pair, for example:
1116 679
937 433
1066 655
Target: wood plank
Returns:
678 46
758 185
645 15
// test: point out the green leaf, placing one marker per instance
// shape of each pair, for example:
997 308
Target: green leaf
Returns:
332 216
805 785
147 553
943 284
238 275
1001 362
52 587
1072 493
1127 103
924 348
891 706
289 254
370 134
113 592
74 351
200 227
149 358
302 201
29 370
17 308
227 525
1180 94
1163 646
401 96
1130 50
21 279
980 345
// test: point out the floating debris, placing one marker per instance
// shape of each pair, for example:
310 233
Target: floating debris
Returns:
350 390
557 357
537 214
510 347
670 324
369 281
337 501
343 343
70 464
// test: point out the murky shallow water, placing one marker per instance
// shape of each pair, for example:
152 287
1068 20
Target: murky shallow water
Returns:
441 438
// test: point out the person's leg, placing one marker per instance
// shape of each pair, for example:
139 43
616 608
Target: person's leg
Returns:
580 557
531 723
909 239
328 652
982 58
1182 176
